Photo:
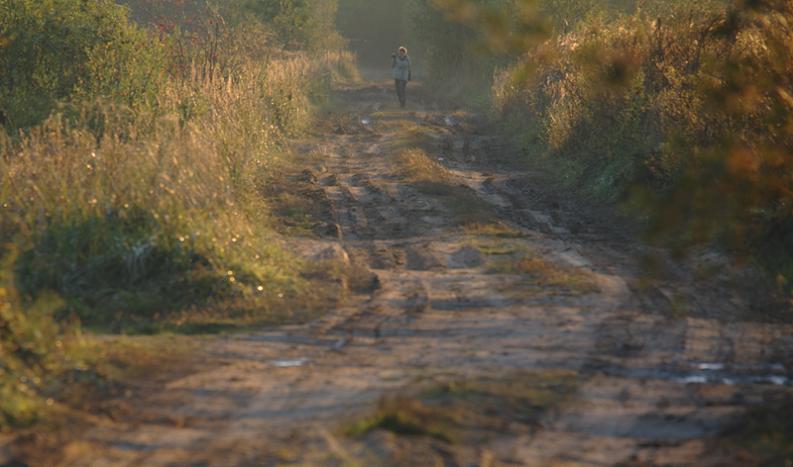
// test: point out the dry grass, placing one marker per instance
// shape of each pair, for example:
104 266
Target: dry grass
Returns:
492 247
416 166
510 258
553 274
193 168
102 380
468 412
496 229
147 222
431 178
684 111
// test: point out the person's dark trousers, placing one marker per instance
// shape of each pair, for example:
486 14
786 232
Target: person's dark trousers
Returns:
401 89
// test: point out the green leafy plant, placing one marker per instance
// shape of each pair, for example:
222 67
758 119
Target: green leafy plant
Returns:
29 350
297 24
60 51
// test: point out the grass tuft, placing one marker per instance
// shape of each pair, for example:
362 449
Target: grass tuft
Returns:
431 178
512 259
467 411
495 229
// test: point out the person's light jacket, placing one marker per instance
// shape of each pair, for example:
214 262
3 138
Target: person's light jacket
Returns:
401 68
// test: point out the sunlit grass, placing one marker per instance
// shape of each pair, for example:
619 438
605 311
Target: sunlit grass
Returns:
496 229
510 258
169 197
464 411
431 178
148 222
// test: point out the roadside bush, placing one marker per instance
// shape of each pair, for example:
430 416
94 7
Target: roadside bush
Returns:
686 115
297 24
154 220
613 98
29 346
123 261
133 199
459 65
160 213
57 51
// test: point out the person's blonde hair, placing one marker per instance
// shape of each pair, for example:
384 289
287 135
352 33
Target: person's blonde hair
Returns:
402 49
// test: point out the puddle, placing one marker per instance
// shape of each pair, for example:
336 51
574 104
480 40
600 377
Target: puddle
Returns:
720 373
776 380
694 379
290 363
732 381
711 366
713 373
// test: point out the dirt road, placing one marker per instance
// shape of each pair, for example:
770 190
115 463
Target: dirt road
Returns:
494 325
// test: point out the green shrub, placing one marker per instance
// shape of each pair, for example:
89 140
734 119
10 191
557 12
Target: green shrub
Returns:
29 346
458 64
297 24
614 97
122 262
155 214
54 51
686 114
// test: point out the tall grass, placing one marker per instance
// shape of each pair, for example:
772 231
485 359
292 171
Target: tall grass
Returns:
613 96
118 221
686 115
140 212
150 214
29 346
682 110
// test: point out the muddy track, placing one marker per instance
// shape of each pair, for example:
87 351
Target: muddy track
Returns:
448 303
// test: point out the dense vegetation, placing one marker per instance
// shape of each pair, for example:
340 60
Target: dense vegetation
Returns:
683 111
57 52
132 166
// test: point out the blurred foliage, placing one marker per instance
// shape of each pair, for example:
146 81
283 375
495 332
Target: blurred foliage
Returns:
375 28
296 24
462 42
566 15
682 110
30 348
737 176
54 51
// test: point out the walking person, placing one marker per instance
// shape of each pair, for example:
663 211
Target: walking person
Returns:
400 65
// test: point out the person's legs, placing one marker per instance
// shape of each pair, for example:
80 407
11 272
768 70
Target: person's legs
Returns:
401 91
398 84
